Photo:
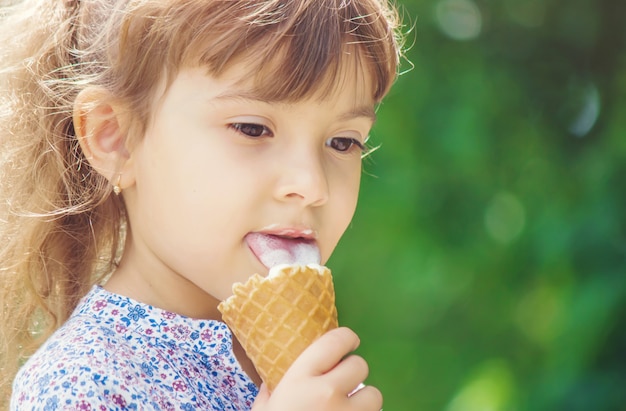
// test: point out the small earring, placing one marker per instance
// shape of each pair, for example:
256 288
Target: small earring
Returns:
116 188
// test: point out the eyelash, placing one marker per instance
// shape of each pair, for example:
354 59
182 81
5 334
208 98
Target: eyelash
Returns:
253 131
352 142
245 129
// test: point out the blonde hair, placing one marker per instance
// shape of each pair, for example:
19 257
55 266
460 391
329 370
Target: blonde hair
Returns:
61 230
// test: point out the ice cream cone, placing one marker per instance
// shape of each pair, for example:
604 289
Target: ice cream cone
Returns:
275 318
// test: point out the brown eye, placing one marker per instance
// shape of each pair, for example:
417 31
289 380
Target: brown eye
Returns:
252 130
344 144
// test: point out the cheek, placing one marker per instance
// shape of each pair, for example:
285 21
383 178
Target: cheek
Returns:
349 192
344 197
339 217
352 186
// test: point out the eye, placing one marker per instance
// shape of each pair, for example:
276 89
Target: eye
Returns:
252 130
344 144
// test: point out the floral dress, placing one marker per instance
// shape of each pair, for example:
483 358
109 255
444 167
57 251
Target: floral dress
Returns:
118 354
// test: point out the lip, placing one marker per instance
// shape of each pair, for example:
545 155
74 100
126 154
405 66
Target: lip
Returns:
276 244
289 232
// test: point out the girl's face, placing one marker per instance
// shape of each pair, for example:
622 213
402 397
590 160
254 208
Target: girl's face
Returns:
225 185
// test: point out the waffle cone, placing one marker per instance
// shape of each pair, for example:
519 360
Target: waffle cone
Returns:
275 318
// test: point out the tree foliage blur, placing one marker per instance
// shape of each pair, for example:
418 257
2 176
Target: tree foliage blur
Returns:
484 269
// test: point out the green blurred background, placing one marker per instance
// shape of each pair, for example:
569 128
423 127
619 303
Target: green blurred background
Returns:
484 269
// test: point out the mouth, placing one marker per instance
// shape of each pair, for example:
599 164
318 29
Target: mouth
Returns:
284 247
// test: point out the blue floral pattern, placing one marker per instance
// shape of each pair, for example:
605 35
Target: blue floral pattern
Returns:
117 354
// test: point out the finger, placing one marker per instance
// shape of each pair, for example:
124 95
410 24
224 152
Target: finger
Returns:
324 354
357 389
349 373
368 398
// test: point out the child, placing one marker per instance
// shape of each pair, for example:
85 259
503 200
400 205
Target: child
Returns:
152 153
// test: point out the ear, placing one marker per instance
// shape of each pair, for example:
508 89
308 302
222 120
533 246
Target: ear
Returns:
101 126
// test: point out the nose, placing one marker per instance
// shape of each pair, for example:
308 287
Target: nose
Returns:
303 178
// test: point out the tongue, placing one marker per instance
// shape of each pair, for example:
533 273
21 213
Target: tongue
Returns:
273 250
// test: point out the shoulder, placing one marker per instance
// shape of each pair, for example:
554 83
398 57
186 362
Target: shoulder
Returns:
83 365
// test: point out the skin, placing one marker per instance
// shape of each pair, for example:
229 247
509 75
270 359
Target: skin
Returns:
215 164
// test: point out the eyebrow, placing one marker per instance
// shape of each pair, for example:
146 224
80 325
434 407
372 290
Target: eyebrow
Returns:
364 111
358 112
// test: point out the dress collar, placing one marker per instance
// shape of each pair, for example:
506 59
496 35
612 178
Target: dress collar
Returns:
130 317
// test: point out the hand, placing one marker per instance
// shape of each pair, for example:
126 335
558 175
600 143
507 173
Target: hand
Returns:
322 377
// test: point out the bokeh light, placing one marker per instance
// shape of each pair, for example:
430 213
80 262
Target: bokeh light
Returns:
504 217
589 111
459 19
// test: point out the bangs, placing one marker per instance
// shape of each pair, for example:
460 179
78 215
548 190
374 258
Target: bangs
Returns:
291 49
282 77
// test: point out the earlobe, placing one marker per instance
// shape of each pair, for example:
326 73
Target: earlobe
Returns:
101 129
